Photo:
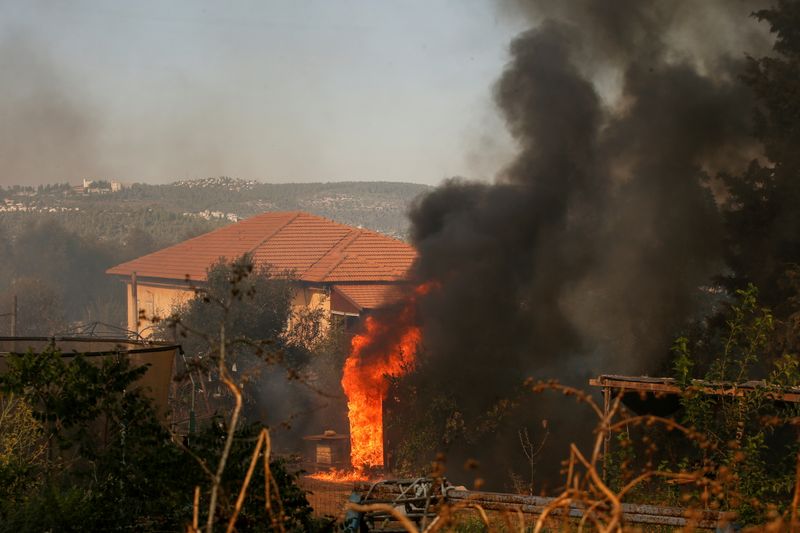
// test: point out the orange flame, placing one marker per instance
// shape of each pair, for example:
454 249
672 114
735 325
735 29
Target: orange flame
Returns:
384 349
339 476
365 386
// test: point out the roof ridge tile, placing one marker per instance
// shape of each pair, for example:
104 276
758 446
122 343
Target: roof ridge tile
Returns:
294 216
327 253
336 265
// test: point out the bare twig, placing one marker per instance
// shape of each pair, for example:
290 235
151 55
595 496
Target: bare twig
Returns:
263 438
196 510
234 420
796 498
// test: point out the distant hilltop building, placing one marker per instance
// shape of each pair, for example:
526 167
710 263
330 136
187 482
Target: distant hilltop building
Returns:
91 186
222 182
340 269
211 215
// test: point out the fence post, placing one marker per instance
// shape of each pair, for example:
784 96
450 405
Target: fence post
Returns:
14 316
135 302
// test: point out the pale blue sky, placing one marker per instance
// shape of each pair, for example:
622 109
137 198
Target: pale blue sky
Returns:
301 90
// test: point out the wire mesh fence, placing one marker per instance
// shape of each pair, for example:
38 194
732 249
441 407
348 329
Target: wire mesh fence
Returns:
327 498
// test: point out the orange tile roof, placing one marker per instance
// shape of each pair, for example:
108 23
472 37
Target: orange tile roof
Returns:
315 248
368 296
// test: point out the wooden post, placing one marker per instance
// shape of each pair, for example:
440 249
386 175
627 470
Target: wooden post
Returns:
14 316
135 301
606 425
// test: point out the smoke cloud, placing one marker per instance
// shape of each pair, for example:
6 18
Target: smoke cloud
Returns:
47 133
588 253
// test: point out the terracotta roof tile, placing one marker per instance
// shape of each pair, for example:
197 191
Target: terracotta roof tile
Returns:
368 296
314 248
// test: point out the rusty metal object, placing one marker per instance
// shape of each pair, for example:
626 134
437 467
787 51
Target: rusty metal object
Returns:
416 499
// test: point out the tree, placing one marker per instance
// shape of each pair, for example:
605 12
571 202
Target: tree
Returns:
252 303
138 242
763 222
40 309
268 344
71 266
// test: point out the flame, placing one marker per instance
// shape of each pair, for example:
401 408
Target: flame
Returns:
365 386
339 476
383 349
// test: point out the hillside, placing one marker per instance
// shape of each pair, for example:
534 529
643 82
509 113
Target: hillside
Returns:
172 212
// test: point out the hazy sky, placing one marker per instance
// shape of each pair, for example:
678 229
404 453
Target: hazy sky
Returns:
294 90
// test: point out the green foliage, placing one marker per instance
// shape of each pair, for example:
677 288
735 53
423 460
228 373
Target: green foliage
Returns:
109 464
763 223
753 458
682 363
69 395
22 448
251 303
53 508
622 455
254 306
104 442
747 332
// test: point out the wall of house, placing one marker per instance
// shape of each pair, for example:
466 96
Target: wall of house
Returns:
311 298
160 300
154 300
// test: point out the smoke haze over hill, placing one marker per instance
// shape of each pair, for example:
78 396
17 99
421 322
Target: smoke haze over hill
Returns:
274 91
48 133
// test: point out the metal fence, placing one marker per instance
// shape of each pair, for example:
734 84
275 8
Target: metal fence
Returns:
327 498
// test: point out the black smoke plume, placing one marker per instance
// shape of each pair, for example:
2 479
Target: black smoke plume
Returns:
589 252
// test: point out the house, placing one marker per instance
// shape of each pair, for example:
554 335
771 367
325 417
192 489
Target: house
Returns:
344 270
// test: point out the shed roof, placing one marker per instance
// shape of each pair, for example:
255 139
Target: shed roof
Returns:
314 248
665 385
368 296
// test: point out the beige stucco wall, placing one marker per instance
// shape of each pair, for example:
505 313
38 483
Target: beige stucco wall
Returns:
160 300
154 300
310 298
